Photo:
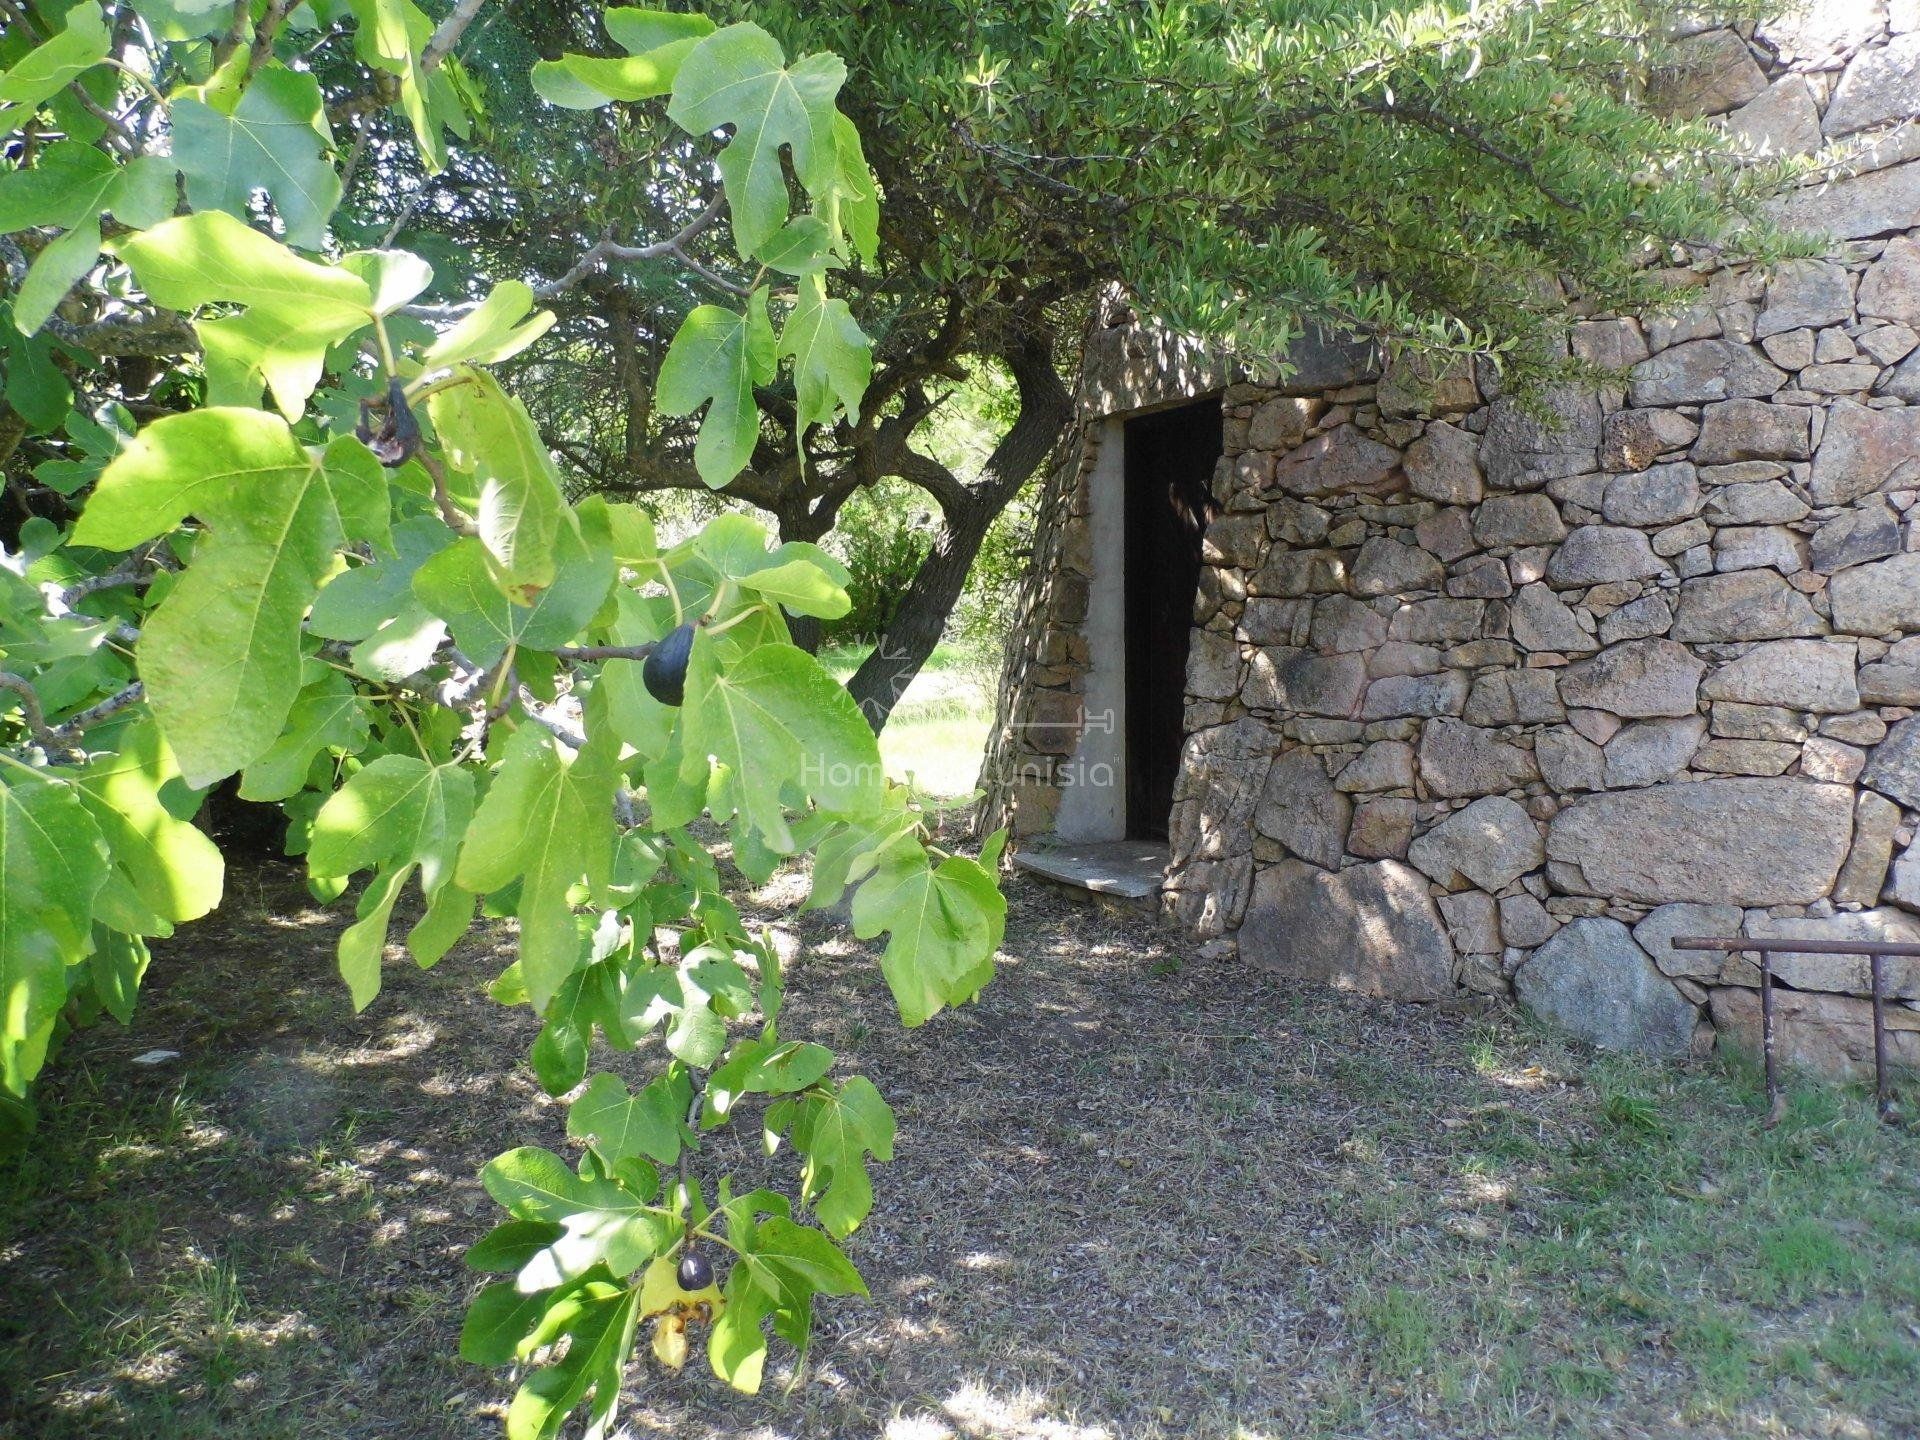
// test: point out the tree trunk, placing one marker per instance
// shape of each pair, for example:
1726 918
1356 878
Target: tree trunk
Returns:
1045 406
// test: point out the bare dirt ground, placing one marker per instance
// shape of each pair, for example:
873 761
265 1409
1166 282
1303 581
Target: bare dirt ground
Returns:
1137 1196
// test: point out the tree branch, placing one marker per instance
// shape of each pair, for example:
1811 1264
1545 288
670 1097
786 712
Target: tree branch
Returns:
448 34
29 698
68 730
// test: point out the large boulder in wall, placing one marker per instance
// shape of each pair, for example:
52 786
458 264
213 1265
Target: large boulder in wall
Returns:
1592 980
1369 928
1752 842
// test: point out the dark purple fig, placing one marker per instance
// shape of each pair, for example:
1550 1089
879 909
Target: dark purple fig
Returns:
399 434
664 672
695 1273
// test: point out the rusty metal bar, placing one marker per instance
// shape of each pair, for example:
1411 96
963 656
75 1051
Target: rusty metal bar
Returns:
1874 952
1882 1099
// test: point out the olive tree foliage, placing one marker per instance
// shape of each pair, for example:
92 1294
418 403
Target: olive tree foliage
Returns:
1415 174
320 550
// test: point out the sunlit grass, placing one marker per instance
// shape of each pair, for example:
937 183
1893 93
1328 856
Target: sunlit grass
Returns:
938 730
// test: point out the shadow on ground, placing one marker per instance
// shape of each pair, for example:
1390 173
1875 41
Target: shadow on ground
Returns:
1138 1196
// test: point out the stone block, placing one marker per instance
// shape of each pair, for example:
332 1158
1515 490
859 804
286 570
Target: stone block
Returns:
1878 598
1210 896
1863 450
1855 207
1649 751
1709 73
1903 882
1594 554
1383 765
1444 465
1418 385
1890 290
1802 674
1569 761
1830 1036
1702 370
1447 533
1213 666
1806 294
1541 621
1473 922
1635 678
1790 349
1343 461
1880 84
1522 448
1280 677
1678 539
1342 624
1656 933
1780 121
1514 697
1268 621
1894 766
1484 577
1382 828
1757 547
1593 981
1889 343
1735 721
1300 808
1648 616
1746 757
1491 843
1053 722
1634 439
1437 621
1386 567
1661 495
1890 684
1843 974
1524 921
1746 605
1282 423
1764 502
1457 759
1820 34
1237 538
1369 928
1609 344
1870 531
1505 521
1835 760
1847 379
1222 772
1751 842
1415 695
1736 430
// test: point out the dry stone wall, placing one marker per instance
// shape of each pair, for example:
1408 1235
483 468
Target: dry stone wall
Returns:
1489 699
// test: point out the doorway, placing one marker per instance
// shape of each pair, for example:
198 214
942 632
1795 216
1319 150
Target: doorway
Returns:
1170 457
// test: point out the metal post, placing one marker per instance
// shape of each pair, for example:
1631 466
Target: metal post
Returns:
1876 952
1882 1096
1776 1103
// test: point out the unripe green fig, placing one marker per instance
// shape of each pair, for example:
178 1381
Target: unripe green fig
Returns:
664 672
695 1273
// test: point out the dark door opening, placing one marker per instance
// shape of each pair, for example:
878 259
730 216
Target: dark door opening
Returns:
1170 456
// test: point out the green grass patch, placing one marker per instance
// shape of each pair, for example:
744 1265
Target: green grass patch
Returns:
937 732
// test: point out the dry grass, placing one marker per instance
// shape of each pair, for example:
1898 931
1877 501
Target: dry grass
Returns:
1138 1196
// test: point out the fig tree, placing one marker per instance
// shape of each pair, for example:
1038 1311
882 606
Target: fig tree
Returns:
695 1273
664 672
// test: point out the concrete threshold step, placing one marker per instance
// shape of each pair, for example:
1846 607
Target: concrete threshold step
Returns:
1130 869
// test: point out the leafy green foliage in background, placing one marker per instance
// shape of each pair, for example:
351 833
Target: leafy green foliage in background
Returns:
376 604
